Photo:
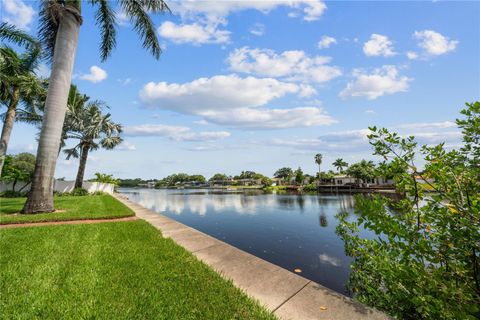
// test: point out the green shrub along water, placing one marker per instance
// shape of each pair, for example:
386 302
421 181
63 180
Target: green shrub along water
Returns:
425 262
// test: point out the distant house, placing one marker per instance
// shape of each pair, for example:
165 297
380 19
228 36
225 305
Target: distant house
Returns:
342 180
248 182
151 184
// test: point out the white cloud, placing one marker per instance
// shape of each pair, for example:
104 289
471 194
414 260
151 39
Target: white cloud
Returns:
18 13
96 75
326 41
215 93
412 55
125 145
270 118
382 81
258 29
176 133
434 43
294 64
379 45
125 81
197 33
428 125
312 9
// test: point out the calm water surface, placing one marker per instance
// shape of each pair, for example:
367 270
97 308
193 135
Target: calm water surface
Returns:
291 231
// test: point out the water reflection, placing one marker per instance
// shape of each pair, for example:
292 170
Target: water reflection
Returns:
292 231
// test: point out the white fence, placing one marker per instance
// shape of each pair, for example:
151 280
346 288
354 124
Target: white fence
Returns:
62 186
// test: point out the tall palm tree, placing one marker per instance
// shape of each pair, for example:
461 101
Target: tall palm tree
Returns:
318 160
60 22
93 130
18 83
340 164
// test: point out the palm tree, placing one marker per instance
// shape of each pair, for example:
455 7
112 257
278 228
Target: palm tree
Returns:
318 160
60 22
93 130
340 164
18 82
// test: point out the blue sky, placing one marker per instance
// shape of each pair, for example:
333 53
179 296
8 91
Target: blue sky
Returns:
260 85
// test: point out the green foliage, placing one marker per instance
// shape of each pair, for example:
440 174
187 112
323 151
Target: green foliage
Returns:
284 173
339 164
424 262
310 188
78 192
130 183
299 176
363 170
180 179
218 177
13 194
105 178
318 158
19 168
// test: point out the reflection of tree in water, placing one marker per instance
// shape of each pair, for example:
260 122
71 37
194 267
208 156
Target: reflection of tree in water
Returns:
301 202
286 201
346 202
323 220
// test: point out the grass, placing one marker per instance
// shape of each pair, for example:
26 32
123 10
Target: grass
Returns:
115 270
71 208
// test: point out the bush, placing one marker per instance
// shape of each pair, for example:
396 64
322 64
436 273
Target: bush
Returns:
424 262
310 188
79 192
13 194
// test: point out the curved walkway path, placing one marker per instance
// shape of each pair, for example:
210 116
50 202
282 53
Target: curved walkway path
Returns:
287 295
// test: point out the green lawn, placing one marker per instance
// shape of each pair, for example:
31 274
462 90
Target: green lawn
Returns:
71 208
114 270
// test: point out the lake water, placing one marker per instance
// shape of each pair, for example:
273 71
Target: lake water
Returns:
291 231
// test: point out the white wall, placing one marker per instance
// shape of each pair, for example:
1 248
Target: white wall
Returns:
64 186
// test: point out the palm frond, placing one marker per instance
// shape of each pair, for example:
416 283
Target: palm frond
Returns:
49 19
105 18
9 32
72 152
137 12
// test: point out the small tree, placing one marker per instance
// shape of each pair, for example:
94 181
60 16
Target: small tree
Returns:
19 168
299 176
363 170
339 164
105 178
284 174
424 263
218 177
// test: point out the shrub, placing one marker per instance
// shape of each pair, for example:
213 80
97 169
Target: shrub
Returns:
78 192
13 194
424 262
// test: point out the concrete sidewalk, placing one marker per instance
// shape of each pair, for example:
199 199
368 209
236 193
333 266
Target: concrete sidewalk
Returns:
287 295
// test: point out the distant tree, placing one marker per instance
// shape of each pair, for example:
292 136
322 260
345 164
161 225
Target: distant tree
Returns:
218 177
318 161
284 173
266 181
299 176
340 164
363 170
197 178
93 130
19 168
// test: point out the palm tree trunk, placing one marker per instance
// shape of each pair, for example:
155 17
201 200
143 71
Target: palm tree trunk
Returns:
8 125
40 198
81 166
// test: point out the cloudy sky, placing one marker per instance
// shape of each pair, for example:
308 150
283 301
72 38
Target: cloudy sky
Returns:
257 85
